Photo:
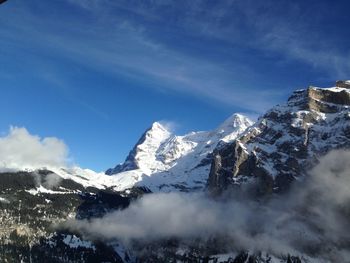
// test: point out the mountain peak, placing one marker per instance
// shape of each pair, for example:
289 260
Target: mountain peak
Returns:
158 126
157 132
144 151
324 100
175 162
236 120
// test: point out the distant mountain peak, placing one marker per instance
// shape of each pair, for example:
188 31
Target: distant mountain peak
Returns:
157 132
159 125
235 120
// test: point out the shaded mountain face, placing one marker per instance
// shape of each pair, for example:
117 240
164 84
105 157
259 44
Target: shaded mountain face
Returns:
162 161
286 141
33 204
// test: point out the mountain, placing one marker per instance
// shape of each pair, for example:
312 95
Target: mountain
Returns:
270 155
161 161
286 141
34 202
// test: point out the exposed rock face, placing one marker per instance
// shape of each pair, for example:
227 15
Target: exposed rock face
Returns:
343 84
286 141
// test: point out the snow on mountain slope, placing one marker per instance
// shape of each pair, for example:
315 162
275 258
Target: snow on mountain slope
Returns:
83 177
162 161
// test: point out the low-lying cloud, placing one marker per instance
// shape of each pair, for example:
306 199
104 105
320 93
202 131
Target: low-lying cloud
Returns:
313 219
49 181
19 150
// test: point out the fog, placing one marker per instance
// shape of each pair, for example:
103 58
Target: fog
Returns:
313 218
49 181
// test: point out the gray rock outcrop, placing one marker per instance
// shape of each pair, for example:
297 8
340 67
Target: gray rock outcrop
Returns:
285 142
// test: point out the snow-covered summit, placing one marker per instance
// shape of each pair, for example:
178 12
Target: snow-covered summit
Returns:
142 156
158 126
236 122
162 161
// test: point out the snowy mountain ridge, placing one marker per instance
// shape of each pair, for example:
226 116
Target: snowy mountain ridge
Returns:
162 161
286 138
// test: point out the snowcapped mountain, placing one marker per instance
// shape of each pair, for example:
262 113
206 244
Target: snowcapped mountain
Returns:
144 154
162 161
279 148
286 141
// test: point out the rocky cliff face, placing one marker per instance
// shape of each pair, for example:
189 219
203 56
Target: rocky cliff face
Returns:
286 141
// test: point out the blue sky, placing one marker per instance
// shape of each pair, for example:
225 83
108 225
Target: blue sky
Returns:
97 73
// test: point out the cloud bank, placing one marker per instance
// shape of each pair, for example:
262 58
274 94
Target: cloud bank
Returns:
20 150
313 219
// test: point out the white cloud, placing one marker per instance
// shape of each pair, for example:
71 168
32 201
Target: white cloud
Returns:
19 150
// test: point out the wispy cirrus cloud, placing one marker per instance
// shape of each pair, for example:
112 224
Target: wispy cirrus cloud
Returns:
120 47
203 49
293 30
